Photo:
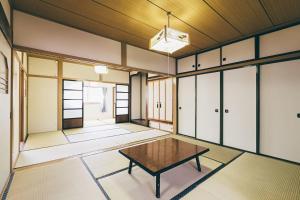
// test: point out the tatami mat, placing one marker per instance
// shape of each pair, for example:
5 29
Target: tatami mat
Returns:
62 151
90 123
251 177
216 152
133 127
105 163
63 180
47 139
89 129
141 185
97 134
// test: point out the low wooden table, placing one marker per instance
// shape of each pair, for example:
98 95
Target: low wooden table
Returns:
159 156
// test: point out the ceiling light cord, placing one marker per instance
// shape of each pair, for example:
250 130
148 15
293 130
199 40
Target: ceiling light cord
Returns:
168 14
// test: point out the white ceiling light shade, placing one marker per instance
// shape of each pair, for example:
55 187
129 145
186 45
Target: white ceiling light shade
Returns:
169 40
101 69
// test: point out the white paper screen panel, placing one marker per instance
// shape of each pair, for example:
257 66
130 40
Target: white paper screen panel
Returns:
57 38
136 97
72 94
42 104
72 85
282 41
72 104
122 95
279 107
68 114
122 88
41 66
148 60
150 99
78 71
122 111
122 103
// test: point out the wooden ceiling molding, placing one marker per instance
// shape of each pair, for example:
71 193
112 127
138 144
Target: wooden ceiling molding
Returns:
208 22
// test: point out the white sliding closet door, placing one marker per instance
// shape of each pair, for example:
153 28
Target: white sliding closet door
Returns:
162 100
150 99
186 106
280 110
208 107
240 108
156 100
169 99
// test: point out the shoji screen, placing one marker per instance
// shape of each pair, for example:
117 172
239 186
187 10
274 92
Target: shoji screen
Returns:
186 106
122 103
136 97
240 108
72 104
208 107
280 110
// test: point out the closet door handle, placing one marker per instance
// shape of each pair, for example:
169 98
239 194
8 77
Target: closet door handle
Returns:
193 66
298 115
226 111
224 59
216 110
160 104
157 105
179 107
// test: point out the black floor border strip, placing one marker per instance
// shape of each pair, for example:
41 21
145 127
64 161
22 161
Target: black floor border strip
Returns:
5 192
95 180
194 185
91 131
66 136
115 172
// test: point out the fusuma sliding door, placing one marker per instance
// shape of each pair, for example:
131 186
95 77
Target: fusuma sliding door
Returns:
208 107
72 104
186 106
122 103
240 108
280 110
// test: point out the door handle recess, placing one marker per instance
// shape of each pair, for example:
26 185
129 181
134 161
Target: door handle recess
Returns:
179 107
216 110
160 104
226 111
157 105
298 115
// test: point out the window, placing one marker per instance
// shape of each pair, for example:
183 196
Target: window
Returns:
93 95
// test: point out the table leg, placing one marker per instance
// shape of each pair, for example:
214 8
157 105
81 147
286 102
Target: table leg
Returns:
158 186
198 164
130 167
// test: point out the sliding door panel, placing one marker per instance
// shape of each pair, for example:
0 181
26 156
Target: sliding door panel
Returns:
186 106
72 104
169 99
208 107
122 103
240 108
150 100
280 110
162 100
156 100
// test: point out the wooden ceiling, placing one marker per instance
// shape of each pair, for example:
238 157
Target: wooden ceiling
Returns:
209 22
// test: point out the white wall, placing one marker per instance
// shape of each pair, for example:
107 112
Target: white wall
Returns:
4 113
136 97
16 108
79 71
148 60
38 33
42 104
115 76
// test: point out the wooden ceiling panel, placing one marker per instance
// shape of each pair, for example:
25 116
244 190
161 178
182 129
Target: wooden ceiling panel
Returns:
199 15
247 16
282 11
152 15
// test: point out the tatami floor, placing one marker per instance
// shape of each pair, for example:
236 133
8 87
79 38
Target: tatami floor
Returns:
85 164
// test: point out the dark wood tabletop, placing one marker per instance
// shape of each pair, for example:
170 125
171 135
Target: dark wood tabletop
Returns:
156 157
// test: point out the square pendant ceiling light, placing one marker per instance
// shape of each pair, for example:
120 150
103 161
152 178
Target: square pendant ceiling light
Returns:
101 69
169 40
